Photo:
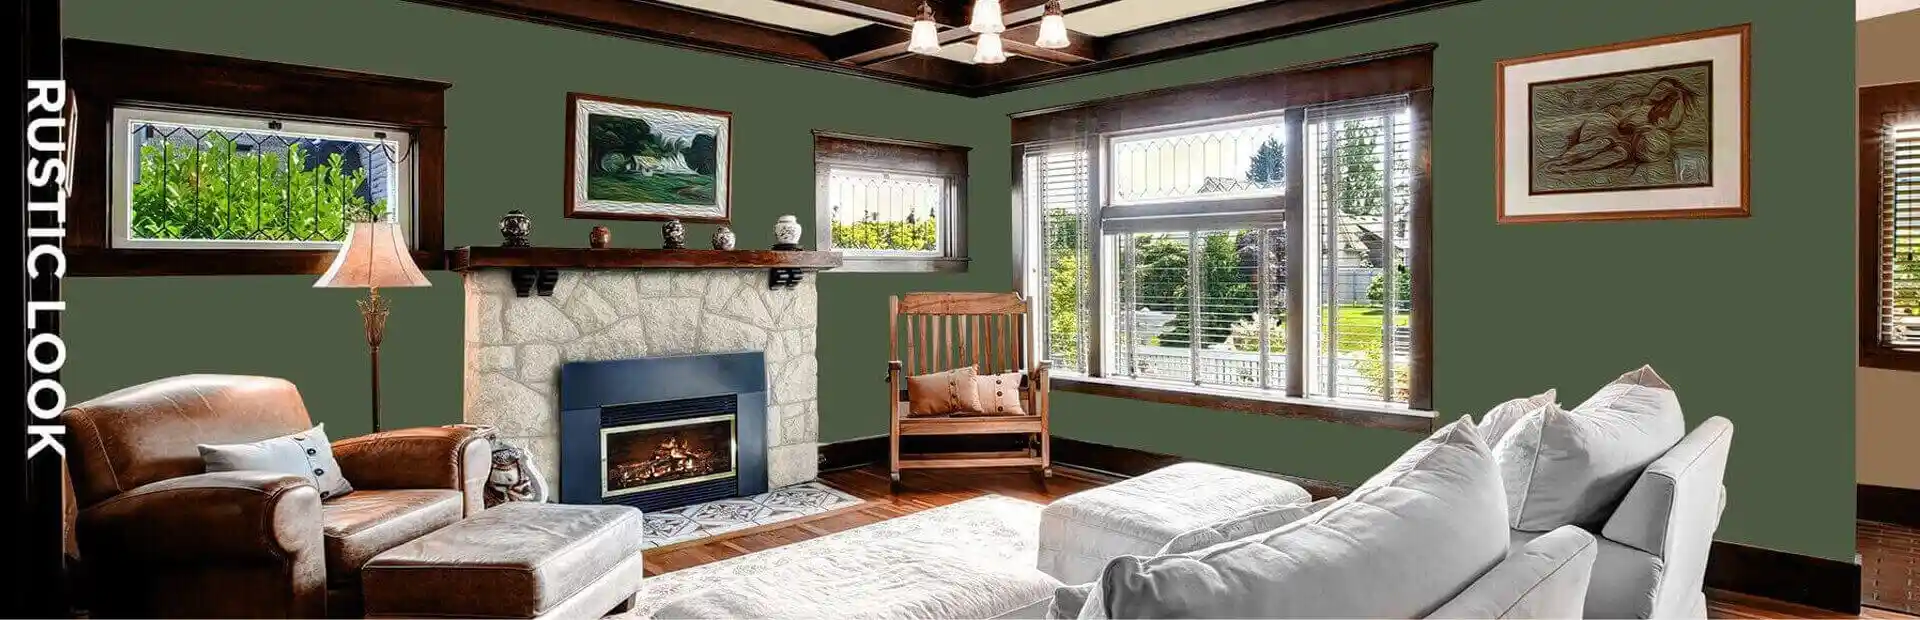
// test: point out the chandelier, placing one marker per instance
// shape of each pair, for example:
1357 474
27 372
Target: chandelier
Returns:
989 23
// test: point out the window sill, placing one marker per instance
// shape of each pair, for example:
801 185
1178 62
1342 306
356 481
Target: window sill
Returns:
1888 358
111 262
1339 412
876 264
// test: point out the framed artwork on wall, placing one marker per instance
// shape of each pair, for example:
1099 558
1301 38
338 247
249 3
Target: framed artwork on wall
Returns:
637 160
1648 129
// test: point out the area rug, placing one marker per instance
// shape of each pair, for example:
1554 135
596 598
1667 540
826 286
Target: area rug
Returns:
969 559
698 521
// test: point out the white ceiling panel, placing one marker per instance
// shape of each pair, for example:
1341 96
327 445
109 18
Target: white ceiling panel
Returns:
778 14
958 52
1869 9
1129 15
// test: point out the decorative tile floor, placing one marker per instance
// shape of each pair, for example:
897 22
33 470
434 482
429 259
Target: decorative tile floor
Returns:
713 518
1889 566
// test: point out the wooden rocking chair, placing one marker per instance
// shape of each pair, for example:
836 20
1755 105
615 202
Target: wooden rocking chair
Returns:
934 332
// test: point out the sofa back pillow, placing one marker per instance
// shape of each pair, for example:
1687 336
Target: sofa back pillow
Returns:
1572 467
1400 546
1257 520
306 454
1502 417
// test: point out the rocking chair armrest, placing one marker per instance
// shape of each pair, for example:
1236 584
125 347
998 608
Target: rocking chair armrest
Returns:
893 370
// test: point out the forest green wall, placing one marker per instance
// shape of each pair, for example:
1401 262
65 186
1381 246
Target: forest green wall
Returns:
1750 318
505 132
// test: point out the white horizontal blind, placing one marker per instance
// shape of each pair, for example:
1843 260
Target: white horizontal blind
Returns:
1201 307
1359 203
1900 237
1058 190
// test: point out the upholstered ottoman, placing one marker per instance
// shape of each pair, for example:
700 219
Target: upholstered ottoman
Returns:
1080 533
517 560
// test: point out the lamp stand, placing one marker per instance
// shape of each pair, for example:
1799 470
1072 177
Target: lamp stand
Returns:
373 310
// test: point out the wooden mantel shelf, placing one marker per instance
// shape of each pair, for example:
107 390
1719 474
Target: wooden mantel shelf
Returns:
536 270
471 258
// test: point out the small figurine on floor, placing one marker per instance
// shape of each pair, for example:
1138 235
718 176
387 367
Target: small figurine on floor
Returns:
514 478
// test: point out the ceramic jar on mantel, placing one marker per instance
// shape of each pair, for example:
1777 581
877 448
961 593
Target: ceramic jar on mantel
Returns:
673 235
514 229
723 238
786 233
599 238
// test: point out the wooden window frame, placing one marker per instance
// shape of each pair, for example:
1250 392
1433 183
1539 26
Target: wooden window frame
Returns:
1875 103
103 76
1407 71
867 153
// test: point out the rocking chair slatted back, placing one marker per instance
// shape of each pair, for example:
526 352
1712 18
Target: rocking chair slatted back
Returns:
934 332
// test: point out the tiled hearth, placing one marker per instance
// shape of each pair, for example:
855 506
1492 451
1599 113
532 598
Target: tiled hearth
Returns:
666 527
515 346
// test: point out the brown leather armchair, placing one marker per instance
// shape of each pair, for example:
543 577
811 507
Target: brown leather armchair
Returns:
161 537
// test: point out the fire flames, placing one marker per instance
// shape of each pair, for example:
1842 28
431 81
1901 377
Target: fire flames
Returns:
673 458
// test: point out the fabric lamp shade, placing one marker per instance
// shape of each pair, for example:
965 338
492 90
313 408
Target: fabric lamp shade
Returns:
374 256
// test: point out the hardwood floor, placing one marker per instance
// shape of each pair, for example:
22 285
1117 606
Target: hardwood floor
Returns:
1889 565
920 490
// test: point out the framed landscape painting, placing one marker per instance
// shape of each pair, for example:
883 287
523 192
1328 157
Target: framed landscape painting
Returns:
635 160
1639 130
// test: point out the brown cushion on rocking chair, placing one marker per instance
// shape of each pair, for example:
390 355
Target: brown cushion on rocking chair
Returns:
942 393
999 395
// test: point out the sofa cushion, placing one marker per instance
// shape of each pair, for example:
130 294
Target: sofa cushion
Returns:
1502 417
1254 521
306 454
1427 526
1571 467
1545 577
516 560
364 524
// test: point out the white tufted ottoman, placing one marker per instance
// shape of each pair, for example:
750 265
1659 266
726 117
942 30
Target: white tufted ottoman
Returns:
1080 533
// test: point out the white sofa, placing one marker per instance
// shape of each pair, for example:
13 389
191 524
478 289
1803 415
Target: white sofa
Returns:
1653 548
1650 556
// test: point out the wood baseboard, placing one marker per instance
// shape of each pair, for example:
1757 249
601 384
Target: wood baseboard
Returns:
1801 579
1884 504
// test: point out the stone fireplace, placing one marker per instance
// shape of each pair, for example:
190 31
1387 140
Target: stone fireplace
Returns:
516 346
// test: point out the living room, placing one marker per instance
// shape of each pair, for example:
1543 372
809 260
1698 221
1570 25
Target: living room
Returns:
1034 213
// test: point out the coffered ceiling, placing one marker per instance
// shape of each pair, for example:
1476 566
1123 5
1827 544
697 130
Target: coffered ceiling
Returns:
869 37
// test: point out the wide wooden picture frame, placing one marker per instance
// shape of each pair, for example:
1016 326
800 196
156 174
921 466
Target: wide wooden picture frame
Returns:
1650 129
640 160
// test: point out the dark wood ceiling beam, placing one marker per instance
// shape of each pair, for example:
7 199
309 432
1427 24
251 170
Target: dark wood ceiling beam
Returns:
657 22
1254 22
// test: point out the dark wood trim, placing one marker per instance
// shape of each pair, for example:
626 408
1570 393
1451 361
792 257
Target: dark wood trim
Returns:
1888 505
878 51
469 258
103 75
1802 579
1399 70
1404 421
1746 140
1876 103
1420 254
570 207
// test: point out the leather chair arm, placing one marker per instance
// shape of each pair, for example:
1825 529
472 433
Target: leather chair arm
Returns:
203 518
430 457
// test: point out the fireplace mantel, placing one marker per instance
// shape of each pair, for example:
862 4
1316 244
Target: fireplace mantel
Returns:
482 257
538 267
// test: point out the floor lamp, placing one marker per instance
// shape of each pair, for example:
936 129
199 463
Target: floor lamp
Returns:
374 256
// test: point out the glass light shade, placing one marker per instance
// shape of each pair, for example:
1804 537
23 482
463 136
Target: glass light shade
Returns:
988 50
986 17
926 38
1053 32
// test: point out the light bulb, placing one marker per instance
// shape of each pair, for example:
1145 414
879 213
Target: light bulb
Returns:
988 50
926 38
986 17
1053 32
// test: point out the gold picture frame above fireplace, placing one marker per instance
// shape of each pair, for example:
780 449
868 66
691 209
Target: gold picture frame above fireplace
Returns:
733 454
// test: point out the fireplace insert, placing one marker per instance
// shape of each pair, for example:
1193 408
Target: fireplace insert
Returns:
660 455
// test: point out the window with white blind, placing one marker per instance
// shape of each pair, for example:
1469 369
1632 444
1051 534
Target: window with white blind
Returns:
1890 209
1268 255
891 205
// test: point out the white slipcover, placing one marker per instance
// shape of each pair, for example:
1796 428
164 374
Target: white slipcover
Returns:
1080 533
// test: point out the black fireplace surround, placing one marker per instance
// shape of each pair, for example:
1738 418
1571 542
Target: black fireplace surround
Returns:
653 432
